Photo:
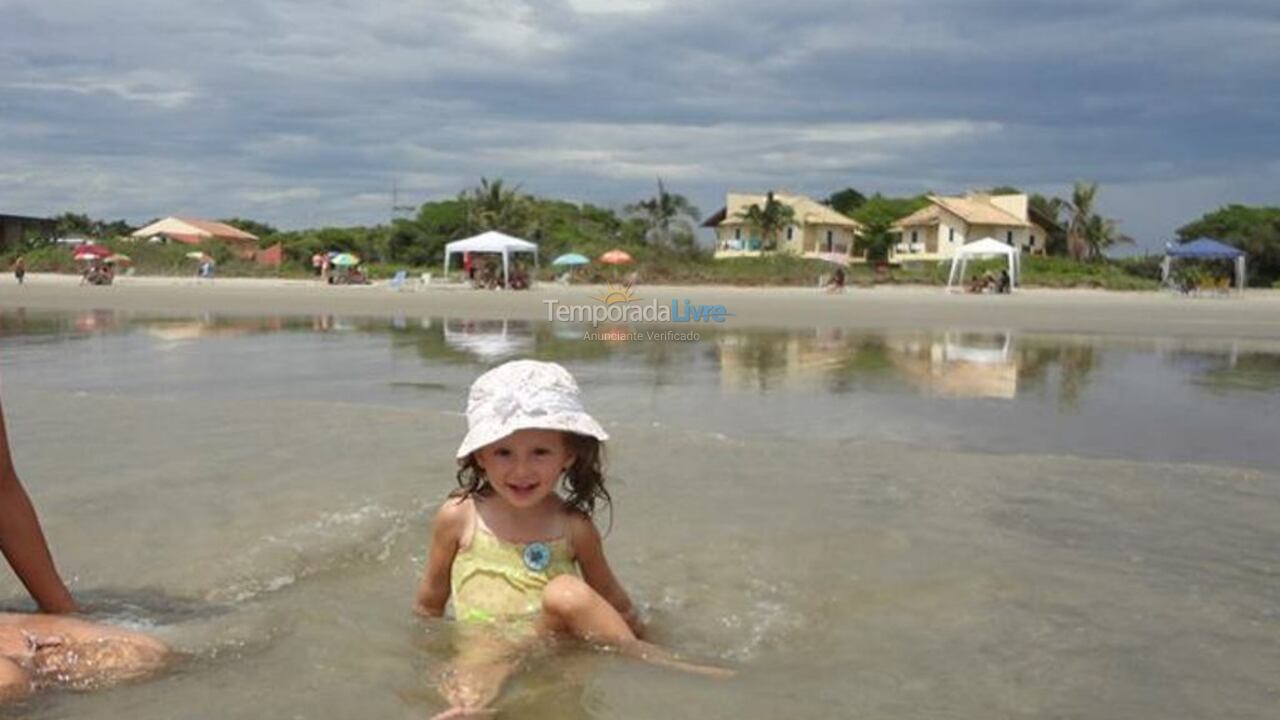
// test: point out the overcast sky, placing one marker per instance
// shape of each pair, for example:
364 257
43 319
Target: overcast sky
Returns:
304 112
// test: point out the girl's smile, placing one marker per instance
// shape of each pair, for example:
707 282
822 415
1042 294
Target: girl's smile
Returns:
523 467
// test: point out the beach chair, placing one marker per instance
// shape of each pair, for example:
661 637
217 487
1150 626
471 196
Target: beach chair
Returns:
397 281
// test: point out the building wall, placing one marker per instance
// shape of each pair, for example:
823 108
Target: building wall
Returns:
813 238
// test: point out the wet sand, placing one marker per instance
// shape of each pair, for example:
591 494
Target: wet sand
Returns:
1256 314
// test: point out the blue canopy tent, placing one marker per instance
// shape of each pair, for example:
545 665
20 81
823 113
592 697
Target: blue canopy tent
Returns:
1203 249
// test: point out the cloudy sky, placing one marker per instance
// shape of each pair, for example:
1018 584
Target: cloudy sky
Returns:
305 112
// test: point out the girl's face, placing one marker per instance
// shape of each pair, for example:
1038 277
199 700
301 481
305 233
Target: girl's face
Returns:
523 467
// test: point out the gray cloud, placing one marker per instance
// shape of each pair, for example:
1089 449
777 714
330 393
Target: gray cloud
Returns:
304 113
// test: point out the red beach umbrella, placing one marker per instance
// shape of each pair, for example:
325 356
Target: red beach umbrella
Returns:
616 257
89 251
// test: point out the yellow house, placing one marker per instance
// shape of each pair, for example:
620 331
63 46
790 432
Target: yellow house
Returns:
818 230
937 231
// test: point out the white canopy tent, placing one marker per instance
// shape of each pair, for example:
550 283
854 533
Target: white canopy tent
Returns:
981 249
492 242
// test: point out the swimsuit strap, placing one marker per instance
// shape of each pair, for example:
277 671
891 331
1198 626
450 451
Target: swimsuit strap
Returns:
481 526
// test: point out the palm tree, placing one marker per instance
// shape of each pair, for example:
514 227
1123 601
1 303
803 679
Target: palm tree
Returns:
664 211
769 220
1081 210
1089 234
1101 233
1051 210
494 206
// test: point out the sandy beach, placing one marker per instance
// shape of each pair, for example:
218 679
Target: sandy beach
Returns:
1254 315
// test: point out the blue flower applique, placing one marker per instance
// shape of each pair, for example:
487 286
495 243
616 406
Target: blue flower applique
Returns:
537 556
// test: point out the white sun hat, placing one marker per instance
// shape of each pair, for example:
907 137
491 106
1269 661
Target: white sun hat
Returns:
522 395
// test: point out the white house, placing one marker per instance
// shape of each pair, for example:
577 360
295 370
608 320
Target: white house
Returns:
818 230
936 231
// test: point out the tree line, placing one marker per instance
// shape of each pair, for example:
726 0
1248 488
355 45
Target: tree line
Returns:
664 224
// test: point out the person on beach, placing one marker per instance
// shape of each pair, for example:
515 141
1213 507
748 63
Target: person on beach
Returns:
20 269
836 283
515 548
46 649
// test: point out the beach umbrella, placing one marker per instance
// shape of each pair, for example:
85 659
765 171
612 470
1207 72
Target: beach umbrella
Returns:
615 257
119 258
345 260
89 251
571 259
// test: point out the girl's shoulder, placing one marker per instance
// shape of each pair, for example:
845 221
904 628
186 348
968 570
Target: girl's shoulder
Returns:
454 516
580 529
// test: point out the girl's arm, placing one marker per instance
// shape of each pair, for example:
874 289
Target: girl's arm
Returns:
22 541
446 533
589 549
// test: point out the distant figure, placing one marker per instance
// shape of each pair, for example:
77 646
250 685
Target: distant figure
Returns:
519 277
1004 285
40 650
836 283
326 269
20 269
468 266
317 263
206 269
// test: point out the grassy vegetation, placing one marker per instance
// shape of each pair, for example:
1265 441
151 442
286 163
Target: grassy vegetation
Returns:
654 266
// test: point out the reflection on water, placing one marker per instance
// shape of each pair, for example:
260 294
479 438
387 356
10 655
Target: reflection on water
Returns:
1073 393
489 340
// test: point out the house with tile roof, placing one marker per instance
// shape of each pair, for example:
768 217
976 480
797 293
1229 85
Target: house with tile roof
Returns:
193 231
818 230
936 231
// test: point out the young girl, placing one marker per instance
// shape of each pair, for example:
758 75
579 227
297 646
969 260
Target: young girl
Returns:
515 555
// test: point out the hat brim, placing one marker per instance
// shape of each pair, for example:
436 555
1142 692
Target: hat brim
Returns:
487 433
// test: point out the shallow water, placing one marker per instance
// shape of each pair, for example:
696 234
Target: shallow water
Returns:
897 524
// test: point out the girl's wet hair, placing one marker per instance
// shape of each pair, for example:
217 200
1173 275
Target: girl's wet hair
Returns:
582 483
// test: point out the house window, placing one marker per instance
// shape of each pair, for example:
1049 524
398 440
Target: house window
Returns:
1033 241
951 234
914 236
737 233
1009 235
789 233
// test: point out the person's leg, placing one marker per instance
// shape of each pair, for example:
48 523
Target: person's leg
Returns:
476 676
570 605
15 683
78 652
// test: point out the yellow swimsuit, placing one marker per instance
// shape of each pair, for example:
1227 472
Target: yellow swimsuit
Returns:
495 580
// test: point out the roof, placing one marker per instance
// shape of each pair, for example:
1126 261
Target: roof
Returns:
491 241
219 230
974 209
807 210
1204 248
986 247
183 228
